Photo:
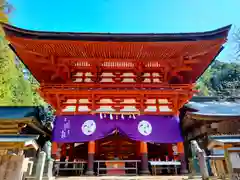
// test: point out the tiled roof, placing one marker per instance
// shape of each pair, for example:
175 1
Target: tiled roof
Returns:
17 138
215 108
124 37
226 138
17 112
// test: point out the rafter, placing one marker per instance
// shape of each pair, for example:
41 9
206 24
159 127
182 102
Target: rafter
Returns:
60 68
117 99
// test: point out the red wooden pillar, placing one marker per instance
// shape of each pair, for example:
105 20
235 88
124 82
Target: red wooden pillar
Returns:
180 148
169 151
71 152
63 151
54 150
91 153
144 158
63 155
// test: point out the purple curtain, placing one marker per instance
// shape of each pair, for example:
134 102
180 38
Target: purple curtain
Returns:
82 128
158 129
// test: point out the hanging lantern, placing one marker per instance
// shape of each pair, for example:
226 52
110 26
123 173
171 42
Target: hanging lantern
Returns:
134 117
111 116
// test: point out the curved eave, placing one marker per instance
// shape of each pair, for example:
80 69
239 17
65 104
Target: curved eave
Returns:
151 37
220 50
215 117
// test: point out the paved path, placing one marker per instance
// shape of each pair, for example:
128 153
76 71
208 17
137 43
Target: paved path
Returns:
125 178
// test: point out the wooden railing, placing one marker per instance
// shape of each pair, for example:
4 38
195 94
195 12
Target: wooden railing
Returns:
77 167
169 166
117 167
218 166
114 167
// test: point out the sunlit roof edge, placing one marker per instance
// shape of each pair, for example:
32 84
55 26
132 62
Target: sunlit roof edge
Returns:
124 37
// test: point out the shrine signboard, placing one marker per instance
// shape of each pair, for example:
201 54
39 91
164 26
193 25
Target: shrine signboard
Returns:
11 167
234 160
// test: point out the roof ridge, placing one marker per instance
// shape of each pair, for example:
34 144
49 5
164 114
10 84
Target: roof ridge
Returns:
134 37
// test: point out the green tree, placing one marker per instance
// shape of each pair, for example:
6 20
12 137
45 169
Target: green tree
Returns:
15 90
220 79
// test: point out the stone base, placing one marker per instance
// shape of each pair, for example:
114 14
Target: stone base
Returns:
48 178
48 168
144 172
90 173
184 171
43 178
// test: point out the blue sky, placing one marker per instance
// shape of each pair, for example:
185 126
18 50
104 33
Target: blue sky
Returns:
128 16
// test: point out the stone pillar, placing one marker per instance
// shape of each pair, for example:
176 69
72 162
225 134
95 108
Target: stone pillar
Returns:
182 158
203 165
144 158
40 165
48 169
91 153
